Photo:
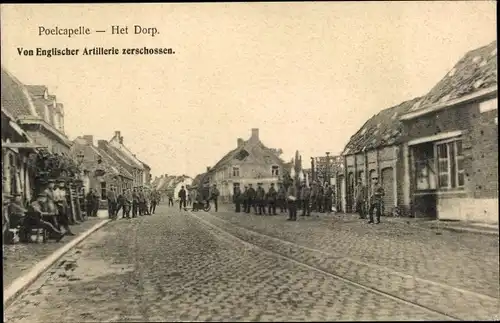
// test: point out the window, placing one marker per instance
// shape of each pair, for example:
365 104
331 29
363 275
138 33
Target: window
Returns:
242 155
275 171
104 193
450 164
236 172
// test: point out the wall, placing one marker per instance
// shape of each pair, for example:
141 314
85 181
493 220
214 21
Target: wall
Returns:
44 137
478 200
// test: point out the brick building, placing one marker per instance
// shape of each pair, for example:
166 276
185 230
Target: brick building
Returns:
376 151
452 143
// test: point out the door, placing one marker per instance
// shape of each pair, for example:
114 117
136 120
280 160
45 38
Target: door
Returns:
388 185
350 192
343 201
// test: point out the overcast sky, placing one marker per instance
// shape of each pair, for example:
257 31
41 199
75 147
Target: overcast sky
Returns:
308 75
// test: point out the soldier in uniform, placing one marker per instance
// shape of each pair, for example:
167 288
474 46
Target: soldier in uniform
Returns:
260 198
314 197
214 195
170 194
142 201
305 197
135 202
112 202
251 195
127 203
292 201
271 199
36 210
182 198
154 200
360 199
237 199
319 199
328 199
282 197
59 197
376 200
244 198
50 204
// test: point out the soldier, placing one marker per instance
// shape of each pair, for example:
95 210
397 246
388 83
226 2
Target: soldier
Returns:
360 199
260 197
135 202
49 200
214 195
281 198
142 201
328 199
89 201
59 196
154 200
251 195
314 196
292 201
237 199
127 202
112 202
170 194
244 198
37 212
319 199
271 199
182 198
376 200
305 197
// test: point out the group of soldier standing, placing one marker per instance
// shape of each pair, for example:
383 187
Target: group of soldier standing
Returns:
132 202
316 197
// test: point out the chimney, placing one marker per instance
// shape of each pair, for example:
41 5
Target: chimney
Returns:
89 139
101 143
208 168
240 142
255 134
120 140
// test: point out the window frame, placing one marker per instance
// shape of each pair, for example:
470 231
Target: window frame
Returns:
104 190
273 173
452 159
236 168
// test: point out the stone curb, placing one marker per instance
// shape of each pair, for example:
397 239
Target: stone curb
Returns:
22 283
468 230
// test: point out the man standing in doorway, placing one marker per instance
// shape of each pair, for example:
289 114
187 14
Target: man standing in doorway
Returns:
182 198
376 200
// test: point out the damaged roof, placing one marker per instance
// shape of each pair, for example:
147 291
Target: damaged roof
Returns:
383 129
477 70
15 97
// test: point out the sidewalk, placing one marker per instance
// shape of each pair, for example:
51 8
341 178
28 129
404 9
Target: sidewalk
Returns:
20 258
455 226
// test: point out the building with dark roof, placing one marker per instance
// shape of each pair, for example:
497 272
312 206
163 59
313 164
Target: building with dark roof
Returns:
452 143
36 111
102 169
251 162
375 151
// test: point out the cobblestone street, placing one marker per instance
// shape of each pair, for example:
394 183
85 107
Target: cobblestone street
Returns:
173 266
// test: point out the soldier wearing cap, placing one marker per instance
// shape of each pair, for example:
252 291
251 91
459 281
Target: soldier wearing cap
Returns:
260 196
271 200
244 198
36 211
376 200
215 196
281 197
237 199
62 206
112 202
251 194
305 197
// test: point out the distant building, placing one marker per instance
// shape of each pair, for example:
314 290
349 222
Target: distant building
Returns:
452 143
251 162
